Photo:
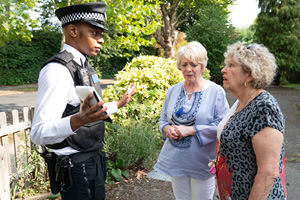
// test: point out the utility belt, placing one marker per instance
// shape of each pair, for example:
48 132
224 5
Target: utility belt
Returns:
59 167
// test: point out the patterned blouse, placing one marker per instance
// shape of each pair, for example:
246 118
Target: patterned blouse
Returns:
236 165
190 155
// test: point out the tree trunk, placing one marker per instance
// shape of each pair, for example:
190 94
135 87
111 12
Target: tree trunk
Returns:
169 51
166 42
165 35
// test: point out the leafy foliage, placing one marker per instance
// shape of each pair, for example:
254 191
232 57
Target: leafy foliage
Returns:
134 136
115 170
246 34
214 32
132 23
113 59
153 76
176 16
137 143
21 61
47 11
194 17
30 177
15 20
278 28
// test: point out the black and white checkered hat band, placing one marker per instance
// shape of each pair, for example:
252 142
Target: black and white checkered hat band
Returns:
99 17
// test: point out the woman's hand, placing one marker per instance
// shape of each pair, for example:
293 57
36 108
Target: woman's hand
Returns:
170 132
184 131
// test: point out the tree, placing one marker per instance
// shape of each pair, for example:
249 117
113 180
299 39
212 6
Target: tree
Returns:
214 32
15 20
132 22
173 17
278 28
246 34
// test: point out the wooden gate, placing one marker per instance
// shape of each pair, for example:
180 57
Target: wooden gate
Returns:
14 138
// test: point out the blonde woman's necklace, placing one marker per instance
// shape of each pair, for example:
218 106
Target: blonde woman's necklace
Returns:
189 93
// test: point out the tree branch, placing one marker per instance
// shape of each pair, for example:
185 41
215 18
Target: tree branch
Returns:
185 18
158 37
174 6
53 1
166 19
184 10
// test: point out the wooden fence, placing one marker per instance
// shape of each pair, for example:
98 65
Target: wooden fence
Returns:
218 79
14 143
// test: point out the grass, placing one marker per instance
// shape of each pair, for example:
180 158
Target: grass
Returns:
295 158
27 89
291 85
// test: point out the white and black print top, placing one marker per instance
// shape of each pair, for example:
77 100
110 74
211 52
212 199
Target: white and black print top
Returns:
236 167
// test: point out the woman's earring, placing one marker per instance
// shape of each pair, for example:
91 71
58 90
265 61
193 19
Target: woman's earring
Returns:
246 84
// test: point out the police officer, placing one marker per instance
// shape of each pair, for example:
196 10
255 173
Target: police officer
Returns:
72 129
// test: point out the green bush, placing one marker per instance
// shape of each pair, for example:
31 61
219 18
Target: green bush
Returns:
153 76
134 137
30 177
214 32
21 61
138 143
115 170
112 59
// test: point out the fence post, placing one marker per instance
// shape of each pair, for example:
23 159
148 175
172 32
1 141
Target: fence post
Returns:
4 174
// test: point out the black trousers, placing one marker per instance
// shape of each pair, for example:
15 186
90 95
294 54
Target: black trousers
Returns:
88 180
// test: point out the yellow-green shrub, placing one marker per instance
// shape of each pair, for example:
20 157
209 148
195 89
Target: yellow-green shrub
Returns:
134 137
153 76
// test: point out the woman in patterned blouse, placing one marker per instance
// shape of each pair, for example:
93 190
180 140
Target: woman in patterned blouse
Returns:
251 152
188 122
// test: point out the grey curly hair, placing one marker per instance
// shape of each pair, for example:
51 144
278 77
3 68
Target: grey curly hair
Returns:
254 58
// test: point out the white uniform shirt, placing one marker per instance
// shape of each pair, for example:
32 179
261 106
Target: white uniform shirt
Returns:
56 90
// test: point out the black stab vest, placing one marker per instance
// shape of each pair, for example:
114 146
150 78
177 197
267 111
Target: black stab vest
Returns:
90 136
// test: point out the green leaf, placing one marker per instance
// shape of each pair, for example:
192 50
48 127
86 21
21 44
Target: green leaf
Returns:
119 162
117 174
125 173
109 164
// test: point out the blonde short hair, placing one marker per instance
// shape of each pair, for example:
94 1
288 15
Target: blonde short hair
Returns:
254 58
195 52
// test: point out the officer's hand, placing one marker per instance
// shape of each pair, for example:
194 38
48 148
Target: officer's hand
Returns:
127 96
88 114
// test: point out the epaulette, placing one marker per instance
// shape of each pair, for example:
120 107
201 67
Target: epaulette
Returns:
62 57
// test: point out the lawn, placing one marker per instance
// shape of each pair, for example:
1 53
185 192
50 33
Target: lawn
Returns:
291 85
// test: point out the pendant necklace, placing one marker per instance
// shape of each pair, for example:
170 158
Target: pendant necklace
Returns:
244 105
193 91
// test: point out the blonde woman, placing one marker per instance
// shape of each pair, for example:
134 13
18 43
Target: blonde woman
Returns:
188 122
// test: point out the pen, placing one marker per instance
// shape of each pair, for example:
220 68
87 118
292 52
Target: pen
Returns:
130 88
129 91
